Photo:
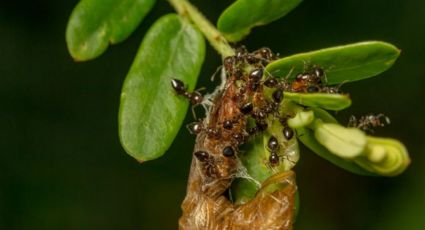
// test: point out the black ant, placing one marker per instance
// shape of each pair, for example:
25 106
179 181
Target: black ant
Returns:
230 65
277 95
308 81
195 97
255 77
287 131
280 84
273 144
246 108
330 90
271 82
274 159
266 55
262 113
260 126
369 121
238 138
228 124
197 127
208 161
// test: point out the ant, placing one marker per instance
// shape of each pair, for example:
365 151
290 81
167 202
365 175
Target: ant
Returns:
266 55
259 127
254 78
228 124
195 97
246 108
208 161
288 133
238 138
282 84
197 127
369 121
308 81
261 114
273 146
275 158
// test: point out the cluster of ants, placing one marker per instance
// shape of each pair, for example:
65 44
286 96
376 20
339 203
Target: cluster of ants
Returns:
240 109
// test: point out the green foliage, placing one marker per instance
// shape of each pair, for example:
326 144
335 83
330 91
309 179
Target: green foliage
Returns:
150 112
341 63
96 23
322 100
238 19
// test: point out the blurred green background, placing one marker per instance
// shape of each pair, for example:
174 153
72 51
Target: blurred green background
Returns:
62 166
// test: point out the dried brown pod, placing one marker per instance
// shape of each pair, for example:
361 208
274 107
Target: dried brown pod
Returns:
205 206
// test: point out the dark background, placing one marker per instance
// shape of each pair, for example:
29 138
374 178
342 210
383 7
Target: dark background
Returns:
62 166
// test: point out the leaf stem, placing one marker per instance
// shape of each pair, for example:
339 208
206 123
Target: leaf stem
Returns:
215 38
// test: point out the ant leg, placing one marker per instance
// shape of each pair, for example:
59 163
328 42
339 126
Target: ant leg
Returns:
369 130
193 111
340 84
215 73
298 135
289 73
201 89
352 121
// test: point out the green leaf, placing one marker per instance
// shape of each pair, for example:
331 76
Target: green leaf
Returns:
150 112
306 136
238 19
322 100
96 23
341 63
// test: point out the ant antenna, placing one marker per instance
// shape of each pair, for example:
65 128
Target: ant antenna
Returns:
216 72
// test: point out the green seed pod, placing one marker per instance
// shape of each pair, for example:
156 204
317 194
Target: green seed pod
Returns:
346 143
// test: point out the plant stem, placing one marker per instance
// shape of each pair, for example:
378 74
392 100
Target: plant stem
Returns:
216 39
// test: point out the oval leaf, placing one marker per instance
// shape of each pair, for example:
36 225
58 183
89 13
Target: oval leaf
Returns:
341 63
322 100
150 112
238 19
96 23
